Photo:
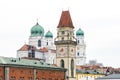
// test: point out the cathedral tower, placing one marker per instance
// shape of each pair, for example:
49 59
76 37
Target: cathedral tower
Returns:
37 36
66 45
80 48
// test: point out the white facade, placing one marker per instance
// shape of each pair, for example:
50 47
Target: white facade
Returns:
80 51
21 54
40 46
45 42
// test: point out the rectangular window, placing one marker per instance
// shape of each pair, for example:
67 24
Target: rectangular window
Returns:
63 32
47 43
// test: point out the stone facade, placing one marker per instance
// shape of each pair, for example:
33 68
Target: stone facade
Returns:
66 45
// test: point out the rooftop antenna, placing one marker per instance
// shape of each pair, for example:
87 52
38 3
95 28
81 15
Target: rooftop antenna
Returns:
37 21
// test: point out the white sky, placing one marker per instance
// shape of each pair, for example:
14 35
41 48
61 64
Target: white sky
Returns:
99 19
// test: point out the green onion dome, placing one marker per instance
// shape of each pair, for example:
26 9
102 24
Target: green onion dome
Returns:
79 32
37 30
49 35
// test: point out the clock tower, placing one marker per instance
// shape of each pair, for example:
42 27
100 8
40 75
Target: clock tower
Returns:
66 45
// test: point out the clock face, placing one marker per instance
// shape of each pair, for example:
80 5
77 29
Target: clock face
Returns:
72 51
62 51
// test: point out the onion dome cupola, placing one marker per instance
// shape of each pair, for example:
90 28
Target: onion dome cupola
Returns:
79 32
49 35
37 30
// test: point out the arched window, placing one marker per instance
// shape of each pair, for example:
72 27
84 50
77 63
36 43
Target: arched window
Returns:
39 43
78 54
62 63
78 41
47 43
72 68
0 78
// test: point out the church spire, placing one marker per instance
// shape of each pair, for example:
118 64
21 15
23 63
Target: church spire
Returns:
65 20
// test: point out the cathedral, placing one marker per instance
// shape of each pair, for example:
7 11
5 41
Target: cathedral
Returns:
65 48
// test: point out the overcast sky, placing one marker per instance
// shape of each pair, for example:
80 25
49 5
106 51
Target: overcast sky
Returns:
99 19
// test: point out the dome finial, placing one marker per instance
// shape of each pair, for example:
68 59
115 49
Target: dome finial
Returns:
37 21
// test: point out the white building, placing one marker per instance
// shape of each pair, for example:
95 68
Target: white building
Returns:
80 48
40 47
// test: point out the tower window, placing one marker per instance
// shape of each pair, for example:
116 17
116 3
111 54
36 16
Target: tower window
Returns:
63 32
62 63
47 43
39 43
78 41
72 68
62 38
78 54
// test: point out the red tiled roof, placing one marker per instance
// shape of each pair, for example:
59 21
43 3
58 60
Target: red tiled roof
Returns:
53 51
65 20
24 48
44 49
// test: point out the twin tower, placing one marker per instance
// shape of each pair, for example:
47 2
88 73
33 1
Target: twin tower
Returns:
69 49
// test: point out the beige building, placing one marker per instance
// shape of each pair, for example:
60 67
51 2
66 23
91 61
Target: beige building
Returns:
88 75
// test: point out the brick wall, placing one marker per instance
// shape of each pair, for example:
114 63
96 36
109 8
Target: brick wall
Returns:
21 73
49 75
41 74
2 72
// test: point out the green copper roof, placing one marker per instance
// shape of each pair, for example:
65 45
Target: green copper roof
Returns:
79 32
49 35
17 62
37 30
109 77
88 72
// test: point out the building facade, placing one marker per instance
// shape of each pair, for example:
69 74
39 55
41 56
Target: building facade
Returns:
66 45
88 76
22 69
80 48
41 46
